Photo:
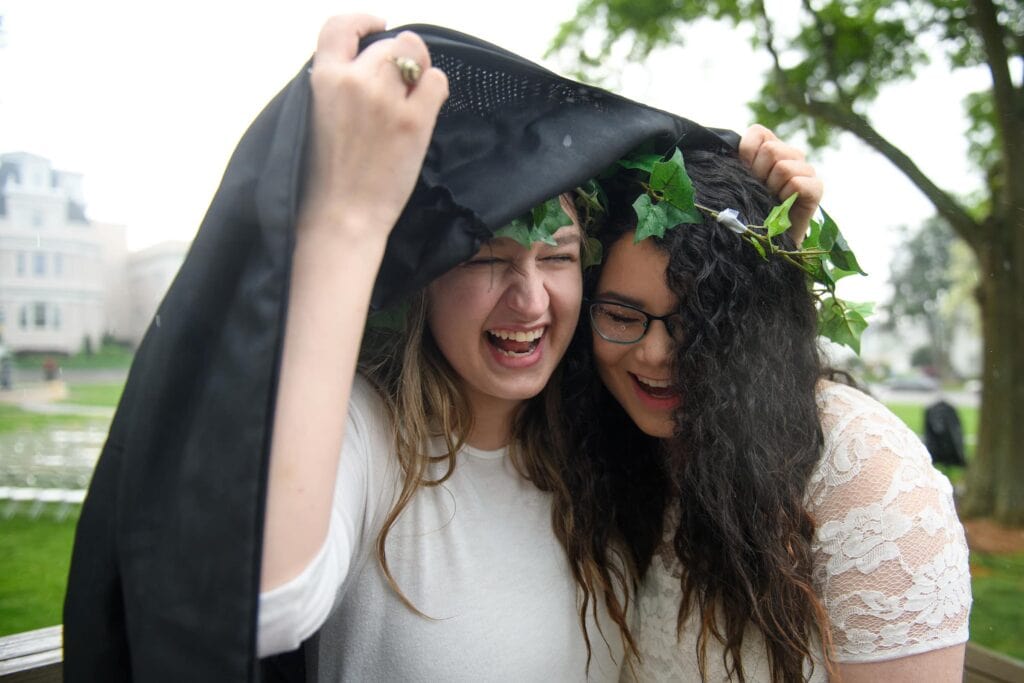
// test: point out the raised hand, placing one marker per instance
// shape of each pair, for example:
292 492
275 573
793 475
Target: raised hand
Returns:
784 170
371 123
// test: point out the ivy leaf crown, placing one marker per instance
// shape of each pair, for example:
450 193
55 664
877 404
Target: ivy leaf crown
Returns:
667 202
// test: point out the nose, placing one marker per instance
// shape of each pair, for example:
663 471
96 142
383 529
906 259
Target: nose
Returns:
655 349
527 293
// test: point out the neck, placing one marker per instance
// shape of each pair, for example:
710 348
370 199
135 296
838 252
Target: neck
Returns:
492 423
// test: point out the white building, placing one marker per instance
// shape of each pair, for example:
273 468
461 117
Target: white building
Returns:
64 280
150 272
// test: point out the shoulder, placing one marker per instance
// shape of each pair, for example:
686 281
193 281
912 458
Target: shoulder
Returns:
863 437
366 401
872 462
890 558
369 426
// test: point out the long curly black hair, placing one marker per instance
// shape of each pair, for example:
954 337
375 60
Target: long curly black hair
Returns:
747 434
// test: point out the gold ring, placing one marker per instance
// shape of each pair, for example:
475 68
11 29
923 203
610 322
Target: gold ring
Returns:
409 69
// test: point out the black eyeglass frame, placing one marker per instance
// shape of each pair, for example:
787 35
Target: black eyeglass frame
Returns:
649 317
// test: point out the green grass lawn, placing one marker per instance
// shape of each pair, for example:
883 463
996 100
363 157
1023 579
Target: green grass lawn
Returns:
106 357
997 618
34 559
14 419
913 417
102 395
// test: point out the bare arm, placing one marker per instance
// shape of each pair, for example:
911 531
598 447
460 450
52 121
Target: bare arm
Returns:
784 170
938 666
369 135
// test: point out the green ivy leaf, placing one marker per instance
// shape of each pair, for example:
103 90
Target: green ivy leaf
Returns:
778 220
641 162
671 183
842 256
820 273
591 198
812 240
539 225
547 219
837 274
518 229
829 230
843 322
652 220
648 219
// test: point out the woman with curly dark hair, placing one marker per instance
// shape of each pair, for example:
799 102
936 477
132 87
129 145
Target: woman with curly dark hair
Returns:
786 527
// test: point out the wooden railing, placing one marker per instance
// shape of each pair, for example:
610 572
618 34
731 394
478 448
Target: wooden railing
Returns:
986 666
32 656
35 657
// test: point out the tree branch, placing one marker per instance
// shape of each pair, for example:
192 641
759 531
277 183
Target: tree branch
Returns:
1004 95
965 226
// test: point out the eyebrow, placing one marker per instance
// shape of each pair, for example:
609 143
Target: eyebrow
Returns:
620 298
561 241
570 238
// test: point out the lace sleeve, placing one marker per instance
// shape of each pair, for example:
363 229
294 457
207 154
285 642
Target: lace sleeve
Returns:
890 558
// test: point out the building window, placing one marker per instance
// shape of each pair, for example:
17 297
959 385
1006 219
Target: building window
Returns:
23 317
56 317
37 219
39 263
21 263
39 315
58 264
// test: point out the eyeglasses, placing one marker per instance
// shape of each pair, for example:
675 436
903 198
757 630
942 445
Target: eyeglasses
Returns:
625 324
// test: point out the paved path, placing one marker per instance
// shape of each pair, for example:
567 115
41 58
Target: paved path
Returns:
67 409
926 398
72 376
34 392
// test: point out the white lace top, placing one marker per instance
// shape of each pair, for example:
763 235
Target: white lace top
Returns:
890 558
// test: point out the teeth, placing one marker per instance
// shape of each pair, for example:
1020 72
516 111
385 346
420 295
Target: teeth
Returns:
654 383
518 335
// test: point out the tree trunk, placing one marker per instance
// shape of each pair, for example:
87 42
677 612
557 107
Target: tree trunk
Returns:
995 477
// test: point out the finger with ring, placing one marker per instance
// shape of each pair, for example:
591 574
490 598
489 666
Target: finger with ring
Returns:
409 69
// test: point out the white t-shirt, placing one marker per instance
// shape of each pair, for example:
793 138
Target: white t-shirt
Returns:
476 554
890 558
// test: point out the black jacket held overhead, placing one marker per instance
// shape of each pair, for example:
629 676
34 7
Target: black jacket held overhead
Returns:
164 577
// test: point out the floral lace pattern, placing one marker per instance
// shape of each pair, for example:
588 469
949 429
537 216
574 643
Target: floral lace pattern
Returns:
890 557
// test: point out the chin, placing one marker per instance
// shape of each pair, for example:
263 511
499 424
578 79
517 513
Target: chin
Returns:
658 428
656 424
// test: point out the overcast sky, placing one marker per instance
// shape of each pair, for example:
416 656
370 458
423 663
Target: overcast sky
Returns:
148 100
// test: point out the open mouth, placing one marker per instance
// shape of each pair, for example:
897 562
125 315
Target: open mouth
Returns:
655 388
515 343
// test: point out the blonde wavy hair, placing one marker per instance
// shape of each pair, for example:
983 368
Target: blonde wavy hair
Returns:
423 396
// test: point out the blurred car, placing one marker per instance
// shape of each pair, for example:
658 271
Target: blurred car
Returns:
912 383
